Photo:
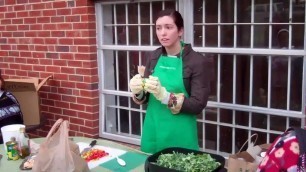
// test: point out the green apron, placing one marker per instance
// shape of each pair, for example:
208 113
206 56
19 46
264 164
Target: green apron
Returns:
162 129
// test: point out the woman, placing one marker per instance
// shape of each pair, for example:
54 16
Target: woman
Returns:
10 112
176 87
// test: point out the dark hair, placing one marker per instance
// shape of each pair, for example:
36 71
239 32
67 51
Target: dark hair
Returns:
176 16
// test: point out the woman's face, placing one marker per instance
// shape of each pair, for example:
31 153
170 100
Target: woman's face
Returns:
167 32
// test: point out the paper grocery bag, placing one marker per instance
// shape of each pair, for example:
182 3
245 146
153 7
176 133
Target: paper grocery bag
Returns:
241 162
245 161
59 154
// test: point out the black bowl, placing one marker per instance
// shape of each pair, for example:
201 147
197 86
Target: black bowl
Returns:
151 166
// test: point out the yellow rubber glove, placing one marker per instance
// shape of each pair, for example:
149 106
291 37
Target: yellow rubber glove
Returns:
153 86
136 84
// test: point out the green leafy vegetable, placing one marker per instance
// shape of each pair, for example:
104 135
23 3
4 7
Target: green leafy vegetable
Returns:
189 162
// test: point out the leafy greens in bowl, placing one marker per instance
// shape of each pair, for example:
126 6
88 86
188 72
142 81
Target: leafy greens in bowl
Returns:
176 159
188 162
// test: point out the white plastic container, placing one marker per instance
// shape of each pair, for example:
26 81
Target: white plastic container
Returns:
9 131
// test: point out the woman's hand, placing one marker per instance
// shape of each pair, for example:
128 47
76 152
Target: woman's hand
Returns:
136 84
152 85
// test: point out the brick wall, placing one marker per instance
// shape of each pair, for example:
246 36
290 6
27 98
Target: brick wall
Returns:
58 37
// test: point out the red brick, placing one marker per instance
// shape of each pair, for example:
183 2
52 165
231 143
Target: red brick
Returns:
39 6
3 9
39 68
8 41
54 69
26 67
23 47
67 84
10 15
35 13
78 78
47 102
55 96
71 99
35 26
49 13
64 26
62 48
20 60
7 34
83 56
25 54
87 86
33 74
65 91
91 79
87 101
38 41
65 41
41 48
49 27
72 34
89 130
57 33
18 34
14 66
84 71
86 49
92 109
88 18
68 70
80 26
62 104
32 61
66 56
77 106
74 127
5 47
11 28
22 1
22 14
64 12
60 62
51 41
43 33
72 19
89 93
23 27
13 53
39 55
57 19
49 115
6 21
69 112
90 64
59 76
17 21
51 48
77 121
43 20
84 3
19 7
30 34
75 63
55 110
61 4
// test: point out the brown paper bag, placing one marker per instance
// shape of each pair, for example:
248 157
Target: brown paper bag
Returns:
242 161
58 153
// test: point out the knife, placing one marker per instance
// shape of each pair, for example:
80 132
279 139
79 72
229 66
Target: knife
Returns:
94 142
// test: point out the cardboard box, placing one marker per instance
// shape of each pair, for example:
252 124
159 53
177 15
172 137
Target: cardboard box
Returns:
27 93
